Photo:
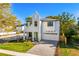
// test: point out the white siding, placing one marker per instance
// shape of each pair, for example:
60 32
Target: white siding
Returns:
46 28
54 35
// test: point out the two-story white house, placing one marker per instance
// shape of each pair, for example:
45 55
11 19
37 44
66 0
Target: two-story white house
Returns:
42 28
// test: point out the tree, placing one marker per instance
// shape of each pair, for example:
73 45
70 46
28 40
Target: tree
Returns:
67 21
3 13
53 17
28 18
69 33
19 22
4 5
7 20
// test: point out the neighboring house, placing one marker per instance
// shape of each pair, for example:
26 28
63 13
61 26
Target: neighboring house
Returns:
20 28
42 28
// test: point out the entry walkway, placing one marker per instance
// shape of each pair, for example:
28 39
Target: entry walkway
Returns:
44 48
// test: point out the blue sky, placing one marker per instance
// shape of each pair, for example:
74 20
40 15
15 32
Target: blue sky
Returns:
23 10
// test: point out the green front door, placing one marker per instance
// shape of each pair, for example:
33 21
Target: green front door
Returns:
35 36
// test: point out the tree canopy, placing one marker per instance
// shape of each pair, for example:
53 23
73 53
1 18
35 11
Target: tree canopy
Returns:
29 18
53 17
67 20
7 20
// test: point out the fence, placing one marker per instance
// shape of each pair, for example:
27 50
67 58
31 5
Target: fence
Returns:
10 38
7 33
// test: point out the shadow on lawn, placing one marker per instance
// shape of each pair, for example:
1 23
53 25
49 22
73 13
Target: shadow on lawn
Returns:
70 46
65 50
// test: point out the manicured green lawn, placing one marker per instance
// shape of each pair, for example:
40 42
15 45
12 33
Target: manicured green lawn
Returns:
17 46
68 50
2 54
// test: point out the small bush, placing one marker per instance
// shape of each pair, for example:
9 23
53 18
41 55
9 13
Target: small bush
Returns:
75 38
69 33
17 32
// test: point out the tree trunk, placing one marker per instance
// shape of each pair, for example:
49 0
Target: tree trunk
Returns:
65 39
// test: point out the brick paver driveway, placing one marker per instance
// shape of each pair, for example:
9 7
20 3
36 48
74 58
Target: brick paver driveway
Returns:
44 48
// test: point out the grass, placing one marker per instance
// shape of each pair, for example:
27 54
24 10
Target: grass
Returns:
67 50
2 54
64 51
17 46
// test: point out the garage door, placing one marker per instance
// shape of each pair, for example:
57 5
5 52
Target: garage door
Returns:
50 37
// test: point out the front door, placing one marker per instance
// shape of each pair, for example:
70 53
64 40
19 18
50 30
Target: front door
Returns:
35 36
30 35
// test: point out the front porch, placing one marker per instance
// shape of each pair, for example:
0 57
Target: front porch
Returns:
33 36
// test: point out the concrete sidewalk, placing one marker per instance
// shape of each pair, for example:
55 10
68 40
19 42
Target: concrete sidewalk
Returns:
15 53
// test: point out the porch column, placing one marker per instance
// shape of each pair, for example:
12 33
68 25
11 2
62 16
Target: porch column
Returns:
32 36
27 35
39 32
24 33
39 37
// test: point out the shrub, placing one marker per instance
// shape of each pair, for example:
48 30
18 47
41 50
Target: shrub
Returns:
69 33
75 38
17 32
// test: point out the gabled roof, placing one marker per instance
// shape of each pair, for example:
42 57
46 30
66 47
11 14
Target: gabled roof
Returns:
45 19
42 19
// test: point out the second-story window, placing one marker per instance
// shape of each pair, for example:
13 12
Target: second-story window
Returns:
35 23
50 23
